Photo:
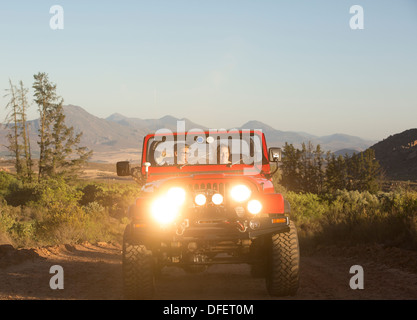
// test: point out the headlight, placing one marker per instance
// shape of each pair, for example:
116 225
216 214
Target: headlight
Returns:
163 211
240 193
254 206
176 196
200 199
217 198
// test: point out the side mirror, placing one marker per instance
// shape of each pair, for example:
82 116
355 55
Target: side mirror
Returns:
123 168
275 154
146 165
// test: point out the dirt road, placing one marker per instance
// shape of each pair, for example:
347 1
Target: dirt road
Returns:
94 272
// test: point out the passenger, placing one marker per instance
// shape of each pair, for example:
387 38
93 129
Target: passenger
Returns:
223 154
160 157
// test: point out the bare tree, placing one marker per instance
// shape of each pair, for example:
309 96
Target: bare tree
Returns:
16 121
12 123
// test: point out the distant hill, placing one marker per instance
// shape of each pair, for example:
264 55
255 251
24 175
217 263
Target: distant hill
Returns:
277 137
118 137
343 152
152 125
334 142
397 155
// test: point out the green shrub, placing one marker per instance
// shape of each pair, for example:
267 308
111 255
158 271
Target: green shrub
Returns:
90 193
115 198
54 212
5 180
19 194
352 217
16 226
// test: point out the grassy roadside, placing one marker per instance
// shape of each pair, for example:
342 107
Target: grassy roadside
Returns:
54 212
93 210
348 218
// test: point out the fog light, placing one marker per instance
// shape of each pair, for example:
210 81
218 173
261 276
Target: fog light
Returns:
200 199
217 198
254 206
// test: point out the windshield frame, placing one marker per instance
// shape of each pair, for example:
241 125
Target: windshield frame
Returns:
194 168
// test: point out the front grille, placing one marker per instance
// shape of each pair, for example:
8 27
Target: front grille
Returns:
220 187
208 189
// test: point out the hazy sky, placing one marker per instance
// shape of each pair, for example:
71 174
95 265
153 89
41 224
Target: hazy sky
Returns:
294 65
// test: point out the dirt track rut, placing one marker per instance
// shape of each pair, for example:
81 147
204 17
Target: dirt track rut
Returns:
94 272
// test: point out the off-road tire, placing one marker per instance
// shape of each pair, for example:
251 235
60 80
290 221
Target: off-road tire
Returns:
282 276
138 273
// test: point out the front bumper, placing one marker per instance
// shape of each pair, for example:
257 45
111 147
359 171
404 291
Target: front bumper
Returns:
215 229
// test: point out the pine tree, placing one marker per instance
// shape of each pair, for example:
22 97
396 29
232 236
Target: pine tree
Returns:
291 178
305 171
371 172
68 156
330 176
336 173
46 99
302 170
311 168
318 169
364 172
60 153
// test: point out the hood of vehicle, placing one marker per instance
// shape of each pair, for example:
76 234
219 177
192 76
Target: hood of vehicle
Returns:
260 183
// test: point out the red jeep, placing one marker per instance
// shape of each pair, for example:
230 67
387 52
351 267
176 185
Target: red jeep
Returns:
208 198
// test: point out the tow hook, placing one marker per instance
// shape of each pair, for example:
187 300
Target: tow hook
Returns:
182 226
241 226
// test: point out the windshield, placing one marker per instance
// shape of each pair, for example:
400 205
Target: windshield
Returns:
205 149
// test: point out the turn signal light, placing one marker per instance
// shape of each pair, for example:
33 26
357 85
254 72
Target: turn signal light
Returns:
279 220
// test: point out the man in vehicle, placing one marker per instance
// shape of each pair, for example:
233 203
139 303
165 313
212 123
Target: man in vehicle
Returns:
223 154
182 154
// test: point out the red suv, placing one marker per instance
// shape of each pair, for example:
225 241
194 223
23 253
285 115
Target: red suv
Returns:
207 197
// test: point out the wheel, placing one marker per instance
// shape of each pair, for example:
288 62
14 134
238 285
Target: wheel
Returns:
282 278
138 273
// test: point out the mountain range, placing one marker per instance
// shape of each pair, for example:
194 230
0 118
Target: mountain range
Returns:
120 138
397 155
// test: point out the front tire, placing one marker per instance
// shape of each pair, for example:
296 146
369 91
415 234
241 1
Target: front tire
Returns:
282 278
138 271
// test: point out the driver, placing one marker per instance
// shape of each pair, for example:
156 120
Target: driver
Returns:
182 154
